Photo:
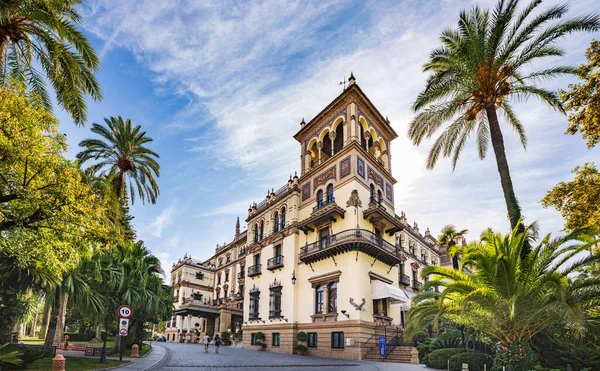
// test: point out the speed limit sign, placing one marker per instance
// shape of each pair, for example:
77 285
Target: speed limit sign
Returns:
125 311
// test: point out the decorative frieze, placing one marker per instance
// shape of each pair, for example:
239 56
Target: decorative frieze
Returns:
345 167
372 175
360 167
322 178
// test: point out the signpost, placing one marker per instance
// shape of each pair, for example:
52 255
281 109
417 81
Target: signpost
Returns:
382 346
125 312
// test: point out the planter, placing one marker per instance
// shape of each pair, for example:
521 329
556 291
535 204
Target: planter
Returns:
260 348
300 352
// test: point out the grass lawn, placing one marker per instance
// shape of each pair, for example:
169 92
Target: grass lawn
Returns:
144 350
75 364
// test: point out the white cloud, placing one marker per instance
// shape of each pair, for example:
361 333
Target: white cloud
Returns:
235 65
163 220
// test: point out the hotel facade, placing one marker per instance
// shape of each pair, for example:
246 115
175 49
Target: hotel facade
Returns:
326 253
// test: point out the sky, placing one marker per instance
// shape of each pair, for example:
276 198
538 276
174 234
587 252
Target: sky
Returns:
221 86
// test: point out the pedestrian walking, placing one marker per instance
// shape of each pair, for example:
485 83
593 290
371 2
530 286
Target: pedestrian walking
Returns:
206 342
217 343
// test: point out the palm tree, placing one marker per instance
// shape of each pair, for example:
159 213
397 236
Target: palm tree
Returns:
483 65
449 239
44 31
509 297
123 153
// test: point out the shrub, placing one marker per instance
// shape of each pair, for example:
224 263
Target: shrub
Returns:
474 359
225 335
29 355
517 356
301 348
424 349
75 336
301 336
259 336
439 358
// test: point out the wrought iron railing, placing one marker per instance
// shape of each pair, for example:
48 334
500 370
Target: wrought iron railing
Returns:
350 235
322 203
254 270
275 314
275 262
253 316
417 285
405 279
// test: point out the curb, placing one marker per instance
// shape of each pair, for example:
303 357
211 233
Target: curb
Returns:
116 367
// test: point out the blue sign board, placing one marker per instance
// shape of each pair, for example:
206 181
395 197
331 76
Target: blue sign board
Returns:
382 346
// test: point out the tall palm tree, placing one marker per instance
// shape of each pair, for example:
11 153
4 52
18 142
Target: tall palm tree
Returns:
44 33
449 239
123 153
510 297
482 66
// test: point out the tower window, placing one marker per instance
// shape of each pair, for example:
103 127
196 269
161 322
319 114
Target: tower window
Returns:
329 194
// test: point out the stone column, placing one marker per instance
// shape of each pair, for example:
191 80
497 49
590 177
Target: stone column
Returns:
367 137
332 138
377 147
320 147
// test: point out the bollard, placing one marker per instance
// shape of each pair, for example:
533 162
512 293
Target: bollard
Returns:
465 367
134 351
58 363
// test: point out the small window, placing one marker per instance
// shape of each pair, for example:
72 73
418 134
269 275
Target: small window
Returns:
253 338
227 276
319 299
337 340
275 341
228 258
199 276
312 340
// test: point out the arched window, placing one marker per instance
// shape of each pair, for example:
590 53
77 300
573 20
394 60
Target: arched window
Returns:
372 196
276 222
319 298
329 193
320 199
282 218
261 230
326 146
363 142
255 232
379 196
338 143
332 297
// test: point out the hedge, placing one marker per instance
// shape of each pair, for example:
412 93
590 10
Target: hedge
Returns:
439 358
474 359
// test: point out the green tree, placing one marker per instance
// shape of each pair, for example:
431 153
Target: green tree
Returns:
44 33
508 296
448 239
582 101
578 200
482 65
123 153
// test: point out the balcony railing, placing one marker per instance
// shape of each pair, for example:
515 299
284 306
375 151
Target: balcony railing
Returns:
254 270
274 263
322 203
352 240
374 201
241 275
417 285
405 280
253 316
275 314
242 252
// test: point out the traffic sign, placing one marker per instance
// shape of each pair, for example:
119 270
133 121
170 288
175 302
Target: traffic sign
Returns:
123 332
125 311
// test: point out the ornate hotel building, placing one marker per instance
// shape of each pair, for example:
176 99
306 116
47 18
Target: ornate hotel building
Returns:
326 254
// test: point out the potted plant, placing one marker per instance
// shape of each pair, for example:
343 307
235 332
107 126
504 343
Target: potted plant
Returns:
300 348
226 337
258 337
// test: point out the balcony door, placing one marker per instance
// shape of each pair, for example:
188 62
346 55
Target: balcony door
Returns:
324 238
378 238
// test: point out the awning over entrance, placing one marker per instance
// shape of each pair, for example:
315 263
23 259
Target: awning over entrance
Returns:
409 295
382 290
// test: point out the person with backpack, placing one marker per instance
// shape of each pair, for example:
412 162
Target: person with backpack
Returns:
217 343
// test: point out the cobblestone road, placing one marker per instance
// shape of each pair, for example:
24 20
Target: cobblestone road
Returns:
187 357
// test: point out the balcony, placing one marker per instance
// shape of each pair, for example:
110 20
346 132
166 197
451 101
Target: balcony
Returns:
378 213
254 270
325 211
322 203
253 316
404 280
241 276
239 296
417 285
352 240
274 314
274 263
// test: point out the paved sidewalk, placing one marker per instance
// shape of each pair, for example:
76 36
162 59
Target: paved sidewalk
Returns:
156 355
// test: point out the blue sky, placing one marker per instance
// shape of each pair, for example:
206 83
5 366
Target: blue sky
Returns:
221 86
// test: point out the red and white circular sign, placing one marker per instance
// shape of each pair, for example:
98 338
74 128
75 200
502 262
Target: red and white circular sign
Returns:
125 311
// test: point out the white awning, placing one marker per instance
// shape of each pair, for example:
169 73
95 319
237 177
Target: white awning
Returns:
381 290
410 295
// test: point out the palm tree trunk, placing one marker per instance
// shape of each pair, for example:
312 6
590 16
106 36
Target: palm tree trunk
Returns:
512 204
3 49
60 325
120 185
52 324
44 327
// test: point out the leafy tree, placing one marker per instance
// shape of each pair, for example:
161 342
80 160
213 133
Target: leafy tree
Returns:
483 65
578 200
448 239
44 33
511 297
123 154
583 100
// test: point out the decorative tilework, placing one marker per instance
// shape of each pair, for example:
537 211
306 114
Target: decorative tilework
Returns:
345 167
389 192
360 167
306 191
371 174
324 177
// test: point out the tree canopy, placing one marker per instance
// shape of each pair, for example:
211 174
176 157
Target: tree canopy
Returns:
582 100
